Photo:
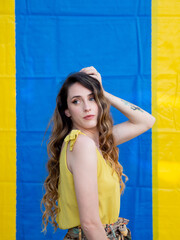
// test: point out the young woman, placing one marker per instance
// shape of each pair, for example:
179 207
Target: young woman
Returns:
85 178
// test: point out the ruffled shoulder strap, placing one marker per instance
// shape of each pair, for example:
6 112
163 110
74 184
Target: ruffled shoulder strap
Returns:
72 136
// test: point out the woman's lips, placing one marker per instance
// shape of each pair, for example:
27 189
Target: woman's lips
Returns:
89 117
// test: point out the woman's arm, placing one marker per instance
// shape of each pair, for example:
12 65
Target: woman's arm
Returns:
135 114
139 120
83 162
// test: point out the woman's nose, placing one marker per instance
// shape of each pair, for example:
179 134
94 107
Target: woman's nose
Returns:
87 107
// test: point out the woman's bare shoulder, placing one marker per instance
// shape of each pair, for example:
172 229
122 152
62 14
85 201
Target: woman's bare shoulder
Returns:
84 151
83 142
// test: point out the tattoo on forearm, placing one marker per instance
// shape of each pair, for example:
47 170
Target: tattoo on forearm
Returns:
132 106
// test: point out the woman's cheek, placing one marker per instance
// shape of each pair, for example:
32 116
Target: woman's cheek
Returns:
76 112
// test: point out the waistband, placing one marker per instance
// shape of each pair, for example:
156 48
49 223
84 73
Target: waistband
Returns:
112 230
120 225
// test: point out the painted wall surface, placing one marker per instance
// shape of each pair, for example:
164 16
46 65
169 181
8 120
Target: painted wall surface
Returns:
166 107
53 40
7 121
135 46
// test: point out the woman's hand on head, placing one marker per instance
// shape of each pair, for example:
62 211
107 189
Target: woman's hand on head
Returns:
93 72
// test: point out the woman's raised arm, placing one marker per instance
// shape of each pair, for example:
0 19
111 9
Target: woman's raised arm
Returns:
139 120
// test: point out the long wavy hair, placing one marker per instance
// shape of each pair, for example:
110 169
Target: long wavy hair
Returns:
62 125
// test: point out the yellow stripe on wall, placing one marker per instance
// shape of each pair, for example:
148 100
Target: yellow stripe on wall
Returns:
7 121
166 109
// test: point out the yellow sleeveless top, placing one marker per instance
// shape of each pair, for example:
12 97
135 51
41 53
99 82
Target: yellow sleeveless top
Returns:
108 190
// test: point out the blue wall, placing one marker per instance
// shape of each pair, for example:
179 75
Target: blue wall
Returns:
54 38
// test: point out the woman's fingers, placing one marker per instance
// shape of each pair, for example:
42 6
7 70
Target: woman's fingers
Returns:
92 71
89 69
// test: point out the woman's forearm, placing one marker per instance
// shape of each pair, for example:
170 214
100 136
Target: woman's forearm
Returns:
134 113
94 232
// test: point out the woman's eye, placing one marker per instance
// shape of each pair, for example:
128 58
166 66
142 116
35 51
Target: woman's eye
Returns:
92 99
75 101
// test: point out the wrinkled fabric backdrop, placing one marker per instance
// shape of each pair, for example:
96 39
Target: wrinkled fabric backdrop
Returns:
135 45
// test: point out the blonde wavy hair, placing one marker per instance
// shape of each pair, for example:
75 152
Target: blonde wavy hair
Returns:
62 125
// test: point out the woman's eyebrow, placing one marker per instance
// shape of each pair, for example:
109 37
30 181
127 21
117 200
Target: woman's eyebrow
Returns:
80 96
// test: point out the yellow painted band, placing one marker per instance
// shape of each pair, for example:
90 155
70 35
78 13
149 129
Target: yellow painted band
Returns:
166 109
7 121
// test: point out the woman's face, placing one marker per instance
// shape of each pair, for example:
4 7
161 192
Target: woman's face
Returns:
81 103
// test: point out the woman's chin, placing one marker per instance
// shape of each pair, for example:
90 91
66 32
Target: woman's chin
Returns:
90 125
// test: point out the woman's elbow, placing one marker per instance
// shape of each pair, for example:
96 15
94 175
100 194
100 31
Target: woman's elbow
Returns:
151 123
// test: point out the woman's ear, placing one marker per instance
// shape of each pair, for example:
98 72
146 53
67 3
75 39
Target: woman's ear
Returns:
67 113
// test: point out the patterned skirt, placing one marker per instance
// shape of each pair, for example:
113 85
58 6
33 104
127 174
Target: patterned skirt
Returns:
114 231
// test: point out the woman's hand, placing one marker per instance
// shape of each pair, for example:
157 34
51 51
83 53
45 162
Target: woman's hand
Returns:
92 71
